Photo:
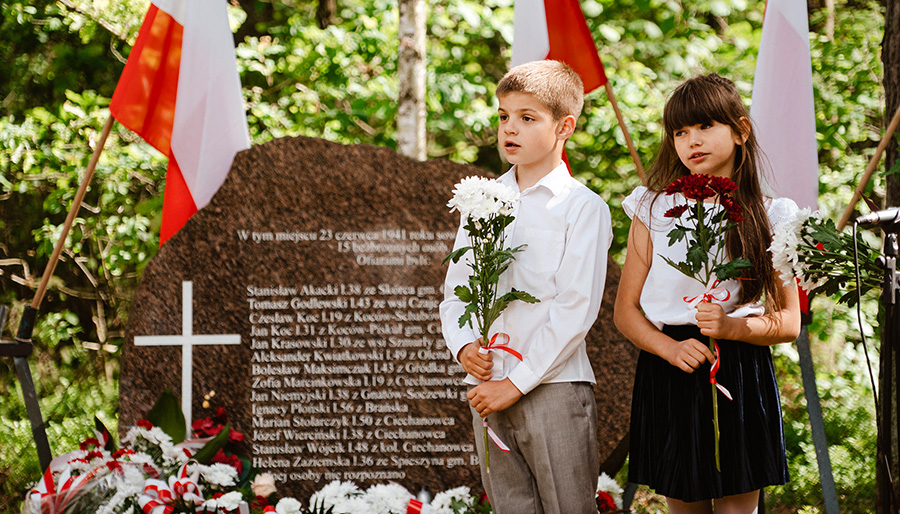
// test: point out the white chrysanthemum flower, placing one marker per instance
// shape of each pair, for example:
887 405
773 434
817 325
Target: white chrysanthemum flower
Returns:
442 502
785 239
479 198
354 505
230 501
288 505
388 498
334 492
219 474
128 486
611 487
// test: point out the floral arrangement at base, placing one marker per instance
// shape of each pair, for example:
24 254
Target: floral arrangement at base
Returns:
158 471
609 494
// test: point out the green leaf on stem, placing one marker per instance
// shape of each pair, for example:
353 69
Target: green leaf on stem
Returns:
456 255
731 269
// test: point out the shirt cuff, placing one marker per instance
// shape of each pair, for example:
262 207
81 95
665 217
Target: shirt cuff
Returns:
457 345
523 378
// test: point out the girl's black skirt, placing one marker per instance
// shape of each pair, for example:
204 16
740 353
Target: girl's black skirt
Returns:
672 447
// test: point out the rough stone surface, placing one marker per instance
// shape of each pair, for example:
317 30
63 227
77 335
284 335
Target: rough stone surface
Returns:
376 205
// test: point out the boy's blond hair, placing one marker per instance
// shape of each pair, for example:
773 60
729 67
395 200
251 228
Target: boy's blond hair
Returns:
553 83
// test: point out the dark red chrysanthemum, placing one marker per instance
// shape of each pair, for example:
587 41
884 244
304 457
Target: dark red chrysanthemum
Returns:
696 187
675 186
732 210
722 185
145 424
676 211
114 465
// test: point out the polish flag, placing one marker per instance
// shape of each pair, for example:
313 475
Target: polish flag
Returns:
180 91
782 102
557 30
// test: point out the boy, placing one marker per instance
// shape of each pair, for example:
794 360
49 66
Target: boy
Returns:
542 407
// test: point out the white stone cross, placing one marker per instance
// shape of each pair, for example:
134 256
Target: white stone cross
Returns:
186 341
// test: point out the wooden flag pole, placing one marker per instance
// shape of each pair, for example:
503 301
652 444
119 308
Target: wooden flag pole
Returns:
873 163
70 219
628 141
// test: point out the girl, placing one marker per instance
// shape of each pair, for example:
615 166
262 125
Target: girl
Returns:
707 130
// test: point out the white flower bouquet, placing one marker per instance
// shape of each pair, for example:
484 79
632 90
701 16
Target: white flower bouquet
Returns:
486 207
814 251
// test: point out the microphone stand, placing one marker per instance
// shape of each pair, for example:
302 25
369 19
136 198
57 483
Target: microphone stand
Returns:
890 362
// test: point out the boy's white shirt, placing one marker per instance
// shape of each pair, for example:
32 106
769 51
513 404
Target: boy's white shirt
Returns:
568 231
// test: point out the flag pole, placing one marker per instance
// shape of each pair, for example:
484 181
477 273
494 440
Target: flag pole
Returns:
22 346
628 141
873 163
70 219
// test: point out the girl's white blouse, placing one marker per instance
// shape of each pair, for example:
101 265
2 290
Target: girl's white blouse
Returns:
665 289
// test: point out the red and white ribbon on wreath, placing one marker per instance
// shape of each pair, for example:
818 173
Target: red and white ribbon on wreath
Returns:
715 369
158 495
417 507
54 499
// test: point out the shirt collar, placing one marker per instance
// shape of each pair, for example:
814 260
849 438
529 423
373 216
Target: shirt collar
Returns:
557 181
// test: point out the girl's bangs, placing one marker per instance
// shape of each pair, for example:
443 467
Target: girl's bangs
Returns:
693 104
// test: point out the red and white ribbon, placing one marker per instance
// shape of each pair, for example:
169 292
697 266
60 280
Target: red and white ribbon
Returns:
500 342
55 498
494 437
417 507
713 292
715 369
158 495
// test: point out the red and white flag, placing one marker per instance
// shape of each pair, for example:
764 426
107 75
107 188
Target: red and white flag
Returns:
556 29
181 92
782 104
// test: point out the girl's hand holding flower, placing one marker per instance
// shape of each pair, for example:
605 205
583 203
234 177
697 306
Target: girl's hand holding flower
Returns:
713 322
688 355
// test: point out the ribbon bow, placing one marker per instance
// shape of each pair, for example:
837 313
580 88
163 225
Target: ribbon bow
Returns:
158 496
500 341
713 292
55 499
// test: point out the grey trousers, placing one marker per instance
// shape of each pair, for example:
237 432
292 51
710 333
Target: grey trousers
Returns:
553 464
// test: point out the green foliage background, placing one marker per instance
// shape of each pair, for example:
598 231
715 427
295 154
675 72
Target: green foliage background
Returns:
61 60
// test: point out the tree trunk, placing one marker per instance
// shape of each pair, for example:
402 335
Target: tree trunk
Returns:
325 13
411 75
888 384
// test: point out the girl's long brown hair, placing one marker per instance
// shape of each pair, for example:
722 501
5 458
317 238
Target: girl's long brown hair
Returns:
701 101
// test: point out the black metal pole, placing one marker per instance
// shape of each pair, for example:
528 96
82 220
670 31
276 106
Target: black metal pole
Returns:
890 395
19 351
